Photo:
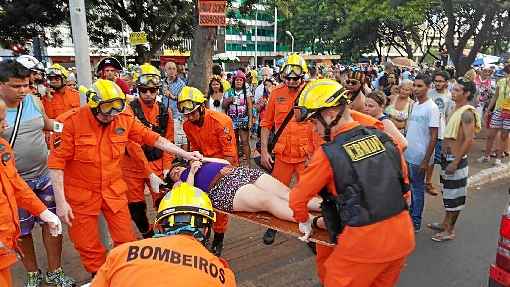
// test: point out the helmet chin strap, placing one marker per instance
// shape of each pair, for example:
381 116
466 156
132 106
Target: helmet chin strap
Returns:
327 127
201 111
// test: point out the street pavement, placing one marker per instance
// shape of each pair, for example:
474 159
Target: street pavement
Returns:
288 262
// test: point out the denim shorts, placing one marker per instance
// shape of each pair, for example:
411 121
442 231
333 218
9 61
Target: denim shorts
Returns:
43 189
437 151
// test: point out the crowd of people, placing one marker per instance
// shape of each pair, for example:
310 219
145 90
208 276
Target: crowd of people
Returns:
286 140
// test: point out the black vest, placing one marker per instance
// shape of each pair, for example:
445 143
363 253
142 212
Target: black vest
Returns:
150 152
368 178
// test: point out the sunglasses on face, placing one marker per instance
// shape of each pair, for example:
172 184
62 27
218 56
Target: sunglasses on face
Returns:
352 82
144 90
293 78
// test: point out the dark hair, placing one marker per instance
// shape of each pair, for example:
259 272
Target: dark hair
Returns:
216 70
176 163
378 97
210 91
507 68
242 69
424 77
443 74
468 86
12 69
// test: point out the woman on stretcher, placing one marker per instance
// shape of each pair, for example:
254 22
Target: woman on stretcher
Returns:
237 188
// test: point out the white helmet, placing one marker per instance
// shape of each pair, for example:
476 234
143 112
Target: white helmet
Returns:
30 62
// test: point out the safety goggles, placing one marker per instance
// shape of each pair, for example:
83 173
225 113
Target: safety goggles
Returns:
149 79
187 107
52 72
144 90
303 114
292 69
112 108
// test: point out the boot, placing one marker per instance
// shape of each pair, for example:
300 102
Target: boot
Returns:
269 236
217 244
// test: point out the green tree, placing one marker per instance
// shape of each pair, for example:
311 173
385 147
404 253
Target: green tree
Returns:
21 20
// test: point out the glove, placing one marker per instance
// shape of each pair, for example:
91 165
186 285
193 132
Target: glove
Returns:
53 222
165 172
155 182
306 228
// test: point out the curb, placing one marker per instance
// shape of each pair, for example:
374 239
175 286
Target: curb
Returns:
489 175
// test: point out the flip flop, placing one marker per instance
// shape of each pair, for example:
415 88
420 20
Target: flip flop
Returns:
436 226
443 236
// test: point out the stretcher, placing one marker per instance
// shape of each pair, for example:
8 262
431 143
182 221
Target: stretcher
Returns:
319 236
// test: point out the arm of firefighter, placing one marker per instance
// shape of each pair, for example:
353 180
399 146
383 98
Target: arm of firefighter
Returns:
193 144
227 139
309 185
168 158
405 172
391 130
136 154
213 159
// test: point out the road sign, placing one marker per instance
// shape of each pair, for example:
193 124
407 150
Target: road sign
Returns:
137 38
212 13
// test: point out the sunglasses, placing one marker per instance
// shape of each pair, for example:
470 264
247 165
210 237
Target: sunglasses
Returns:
144 90
352 82
112 108
293 78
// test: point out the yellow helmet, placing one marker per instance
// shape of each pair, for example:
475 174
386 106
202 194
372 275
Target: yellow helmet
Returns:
318 95
57 70
189 99
147 75
296 65
106 96
185 209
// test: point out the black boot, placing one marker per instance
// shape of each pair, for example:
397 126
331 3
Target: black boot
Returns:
217 244
269 236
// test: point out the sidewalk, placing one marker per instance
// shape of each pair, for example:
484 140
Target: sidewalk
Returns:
246 253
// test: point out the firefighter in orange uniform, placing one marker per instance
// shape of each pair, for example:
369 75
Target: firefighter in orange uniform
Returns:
296 144
373 227
14 193
87 164
63 98
212 134
158 118
177 254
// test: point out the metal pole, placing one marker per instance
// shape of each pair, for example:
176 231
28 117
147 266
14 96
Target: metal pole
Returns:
123 43
275 34
256 34
292 45
81 44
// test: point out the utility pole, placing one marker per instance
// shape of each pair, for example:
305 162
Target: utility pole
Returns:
81 44
275 33
256 35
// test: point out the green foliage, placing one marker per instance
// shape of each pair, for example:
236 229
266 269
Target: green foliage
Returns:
21 20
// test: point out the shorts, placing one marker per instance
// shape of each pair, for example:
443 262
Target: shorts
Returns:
437 151
240 123
223 192
454 186
43 189
500 119
179 134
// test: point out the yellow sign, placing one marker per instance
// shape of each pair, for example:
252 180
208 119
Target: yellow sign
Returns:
168 52
364 148
137 38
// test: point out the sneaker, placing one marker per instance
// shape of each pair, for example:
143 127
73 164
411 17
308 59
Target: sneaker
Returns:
483 159
57 278
417 228
269 236
34 279
497 162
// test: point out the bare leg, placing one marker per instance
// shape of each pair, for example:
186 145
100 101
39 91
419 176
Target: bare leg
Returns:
26 244
270 184
490 141
53 246
451 219
250 198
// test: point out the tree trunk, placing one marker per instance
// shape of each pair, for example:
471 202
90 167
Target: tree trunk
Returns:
201 54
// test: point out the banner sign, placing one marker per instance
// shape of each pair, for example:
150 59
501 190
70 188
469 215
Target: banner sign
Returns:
137 38
212 13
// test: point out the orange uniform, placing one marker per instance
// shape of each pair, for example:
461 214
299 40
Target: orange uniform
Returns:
215 138
14 193
296 143
364 255
134 164
90 154
61 101
177 260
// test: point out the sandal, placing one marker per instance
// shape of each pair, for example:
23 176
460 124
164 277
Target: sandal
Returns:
436 226
443 236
